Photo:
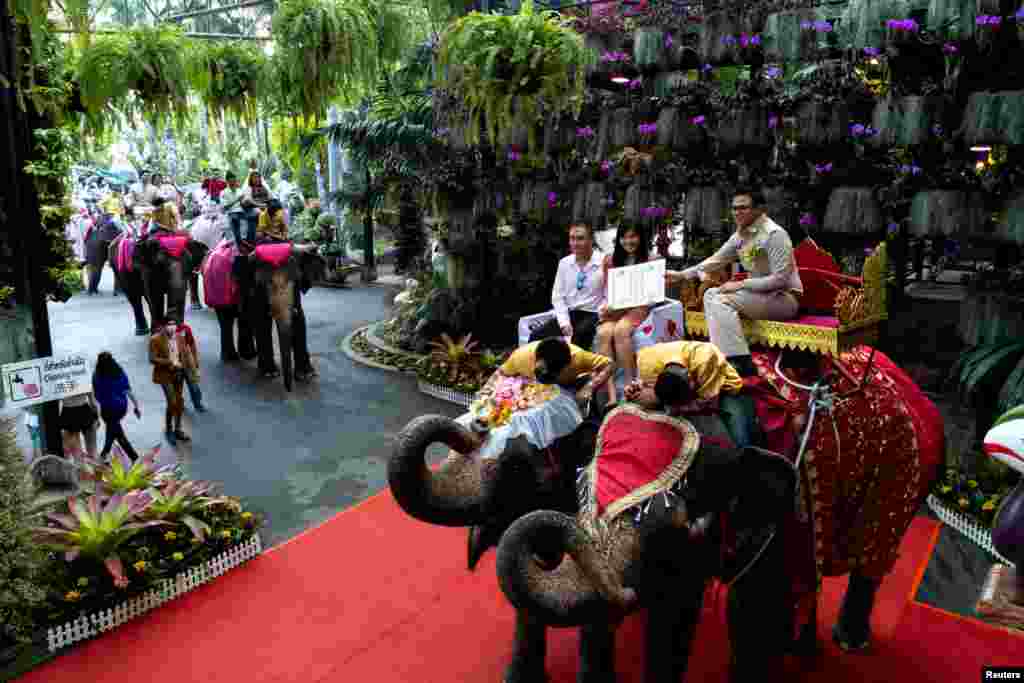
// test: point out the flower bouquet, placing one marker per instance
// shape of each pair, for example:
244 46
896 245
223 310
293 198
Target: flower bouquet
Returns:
497 403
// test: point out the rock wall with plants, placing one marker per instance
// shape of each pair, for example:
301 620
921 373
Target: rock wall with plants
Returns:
874 120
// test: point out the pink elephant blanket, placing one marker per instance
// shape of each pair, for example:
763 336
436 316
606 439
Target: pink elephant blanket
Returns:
274 255
125 252
173 245
220 286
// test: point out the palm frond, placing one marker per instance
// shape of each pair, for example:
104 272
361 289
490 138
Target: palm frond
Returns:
1012 393
985 368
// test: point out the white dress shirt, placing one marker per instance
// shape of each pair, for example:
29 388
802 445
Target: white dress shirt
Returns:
566 295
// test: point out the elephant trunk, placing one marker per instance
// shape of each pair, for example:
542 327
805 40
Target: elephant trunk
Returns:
536 575
452 495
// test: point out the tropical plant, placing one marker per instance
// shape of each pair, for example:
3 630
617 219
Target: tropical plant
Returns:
507 67
454 358
229 77
141 70
95 528
991 377
333 49
20 559
121 474
182 501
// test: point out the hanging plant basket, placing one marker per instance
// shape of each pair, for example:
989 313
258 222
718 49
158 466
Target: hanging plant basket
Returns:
864 22
820 124
667 83
943 213
534 199
705 209
786 40
649 53
618 129
994 118
745 128
531 55
229 77
589 204
906 120
955 19
678 131
142 70
853 211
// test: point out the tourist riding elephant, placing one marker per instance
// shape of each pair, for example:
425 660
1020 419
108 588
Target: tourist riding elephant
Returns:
650 532
165 261
272 279
97 249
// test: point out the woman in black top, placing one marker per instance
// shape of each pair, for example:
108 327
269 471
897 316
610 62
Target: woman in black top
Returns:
112 390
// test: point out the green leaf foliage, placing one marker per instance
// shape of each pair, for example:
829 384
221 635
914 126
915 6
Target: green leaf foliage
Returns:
331 49
142 69
504 66
992 370
229 77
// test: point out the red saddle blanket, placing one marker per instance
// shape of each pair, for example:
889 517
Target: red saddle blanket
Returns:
274 255
639 454
125 254
173 245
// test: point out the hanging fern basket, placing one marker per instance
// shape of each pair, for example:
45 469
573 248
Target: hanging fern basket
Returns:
649 49
745 128
1010 228
994 118
785 40
864 22
532 55
676 130
820 124
906 120
938 213
956 19
229 77
589 204
853 211
617 130
705 209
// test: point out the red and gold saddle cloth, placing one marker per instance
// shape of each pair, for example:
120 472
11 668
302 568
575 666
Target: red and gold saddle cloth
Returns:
174 245
639 454
274 255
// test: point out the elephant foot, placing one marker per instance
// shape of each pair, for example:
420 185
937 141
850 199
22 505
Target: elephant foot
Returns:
525 672
141 331
305 374
847 642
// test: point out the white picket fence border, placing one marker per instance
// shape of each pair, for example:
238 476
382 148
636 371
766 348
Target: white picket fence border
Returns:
446 394
87 626
981 536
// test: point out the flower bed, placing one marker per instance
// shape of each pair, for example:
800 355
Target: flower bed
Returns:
446 393
138 536
978 534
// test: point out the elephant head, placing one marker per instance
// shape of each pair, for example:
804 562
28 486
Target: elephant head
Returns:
166 262
488 494
274 273
555 567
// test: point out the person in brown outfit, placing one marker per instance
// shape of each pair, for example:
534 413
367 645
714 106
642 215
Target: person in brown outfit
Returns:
169 373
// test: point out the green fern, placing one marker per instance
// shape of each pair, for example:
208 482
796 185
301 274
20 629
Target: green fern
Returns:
993 369
229 77
142 70
502 66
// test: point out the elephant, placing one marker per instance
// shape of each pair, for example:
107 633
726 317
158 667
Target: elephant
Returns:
159 272
97 249
128 278
732 515
270 282
221 293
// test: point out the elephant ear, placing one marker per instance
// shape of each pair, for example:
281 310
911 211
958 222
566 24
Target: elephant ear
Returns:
766 487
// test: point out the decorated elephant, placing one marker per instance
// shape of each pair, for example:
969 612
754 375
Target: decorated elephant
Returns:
655 531
156 269
260 290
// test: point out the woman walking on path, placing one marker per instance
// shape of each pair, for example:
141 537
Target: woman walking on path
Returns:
78 416
112 390
169 373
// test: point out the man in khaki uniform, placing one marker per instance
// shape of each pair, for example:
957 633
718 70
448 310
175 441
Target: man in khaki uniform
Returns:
555 361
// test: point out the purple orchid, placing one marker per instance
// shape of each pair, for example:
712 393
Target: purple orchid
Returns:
729 40
615 57
698 120
950 49
606 166
937 129
668 42
893 229
773 72
648 128
902 25
552 199
585 132
823 168
773 121
635 83
872 51
1019 16
706 68
808 219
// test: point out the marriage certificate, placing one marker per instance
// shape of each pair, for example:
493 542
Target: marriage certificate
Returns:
639 285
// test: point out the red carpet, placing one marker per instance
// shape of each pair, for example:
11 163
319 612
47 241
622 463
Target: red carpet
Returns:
372 595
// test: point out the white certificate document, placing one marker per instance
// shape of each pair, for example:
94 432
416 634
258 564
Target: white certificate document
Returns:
639 285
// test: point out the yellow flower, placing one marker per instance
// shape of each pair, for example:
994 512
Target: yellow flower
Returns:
971 484
195 541
140 565
170 536
964 502
247 516
177 557
989 505
947 489
72 596
225 534
83 582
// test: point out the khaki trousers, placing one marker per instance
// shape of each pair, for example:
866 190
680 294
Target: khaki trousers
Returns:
723 311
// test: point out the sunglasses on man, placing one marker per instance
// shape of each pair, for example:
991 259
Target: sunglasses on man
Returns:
581 280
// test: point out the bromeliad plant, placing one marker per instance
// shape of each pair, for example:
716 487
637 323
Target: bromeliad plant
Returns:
505 66
180 501
121 475
96 528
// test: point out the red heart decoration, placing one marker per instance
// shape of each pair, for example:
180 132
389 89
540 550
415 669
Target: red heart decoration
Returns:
648 328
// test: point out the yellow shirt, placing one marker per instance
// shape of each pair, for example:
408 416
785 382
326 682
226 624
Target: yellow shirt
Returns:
706 364
523 363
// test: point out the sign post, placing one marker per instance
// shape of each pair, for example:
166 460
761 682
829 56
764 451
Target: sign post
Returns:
41 380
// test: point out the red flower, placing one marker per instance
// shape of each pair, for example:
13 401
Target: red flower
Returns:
648 328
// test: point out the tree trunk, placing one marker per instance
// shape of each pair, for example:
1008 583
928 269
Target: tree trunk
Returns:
369 257
20 220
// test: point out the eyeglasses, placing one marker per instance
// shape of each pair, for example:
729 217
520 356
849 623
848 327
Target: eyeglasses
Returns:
581 279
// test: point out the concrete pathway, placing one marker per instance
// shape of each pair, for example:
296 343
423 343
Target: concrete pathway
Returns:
298 457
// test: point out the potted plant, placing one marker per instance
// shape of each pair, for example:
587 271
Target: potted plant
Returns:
508 64
228 77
